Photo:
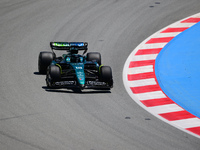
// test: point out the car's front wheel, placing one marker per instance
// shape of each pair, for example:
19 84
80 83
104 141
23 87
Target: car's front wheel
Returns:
44 60
53 75
106 75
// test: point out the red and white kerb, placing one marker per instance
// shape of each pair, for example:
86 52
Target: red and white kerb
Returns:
141 83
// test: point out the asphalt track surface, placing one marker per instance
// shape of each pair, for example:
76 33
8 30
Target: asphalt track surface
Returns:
34 117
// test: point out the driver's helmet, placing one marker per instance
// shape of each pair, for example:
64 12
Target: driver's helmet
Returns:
74 50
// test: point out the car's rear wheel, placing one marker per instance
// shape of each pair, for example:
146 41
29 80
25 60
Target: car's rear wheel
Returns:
106 75
94 56
53 75
44 60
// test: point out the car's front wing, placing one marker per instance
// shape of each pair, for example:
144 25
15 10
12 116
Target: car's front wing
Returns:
88 85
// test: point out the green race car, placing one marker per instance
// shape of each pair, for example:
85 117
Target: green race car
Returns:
73 70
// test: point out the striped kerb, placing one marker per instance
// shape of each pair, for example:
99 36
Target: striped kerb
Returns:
141 78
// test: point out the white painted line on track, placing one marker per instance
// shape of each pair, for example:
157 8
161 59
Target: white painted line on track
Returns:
144 57
165 108
172 34
152 46
185 24
150 95
138 83
143 69
187 123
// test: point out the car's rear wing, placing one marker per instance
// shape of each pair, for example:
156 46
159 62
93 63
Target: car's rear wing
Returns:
68 45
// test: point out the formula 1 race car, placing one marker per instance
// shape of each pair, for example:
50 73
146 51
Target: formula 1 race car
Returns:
73 70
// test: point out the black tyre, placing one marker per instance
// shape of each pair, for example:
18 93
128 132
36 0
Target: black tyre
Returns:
106 75
44 60
53 75
94 56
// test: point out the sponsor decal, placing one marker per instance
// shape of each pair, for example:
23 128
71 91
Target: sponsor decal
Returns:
79 67
62 83
96 83
61 44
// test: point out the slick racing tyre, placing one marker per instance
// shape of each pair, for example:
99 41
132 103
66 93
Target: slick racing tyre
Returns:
94 56
53 75
106 75
44 60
